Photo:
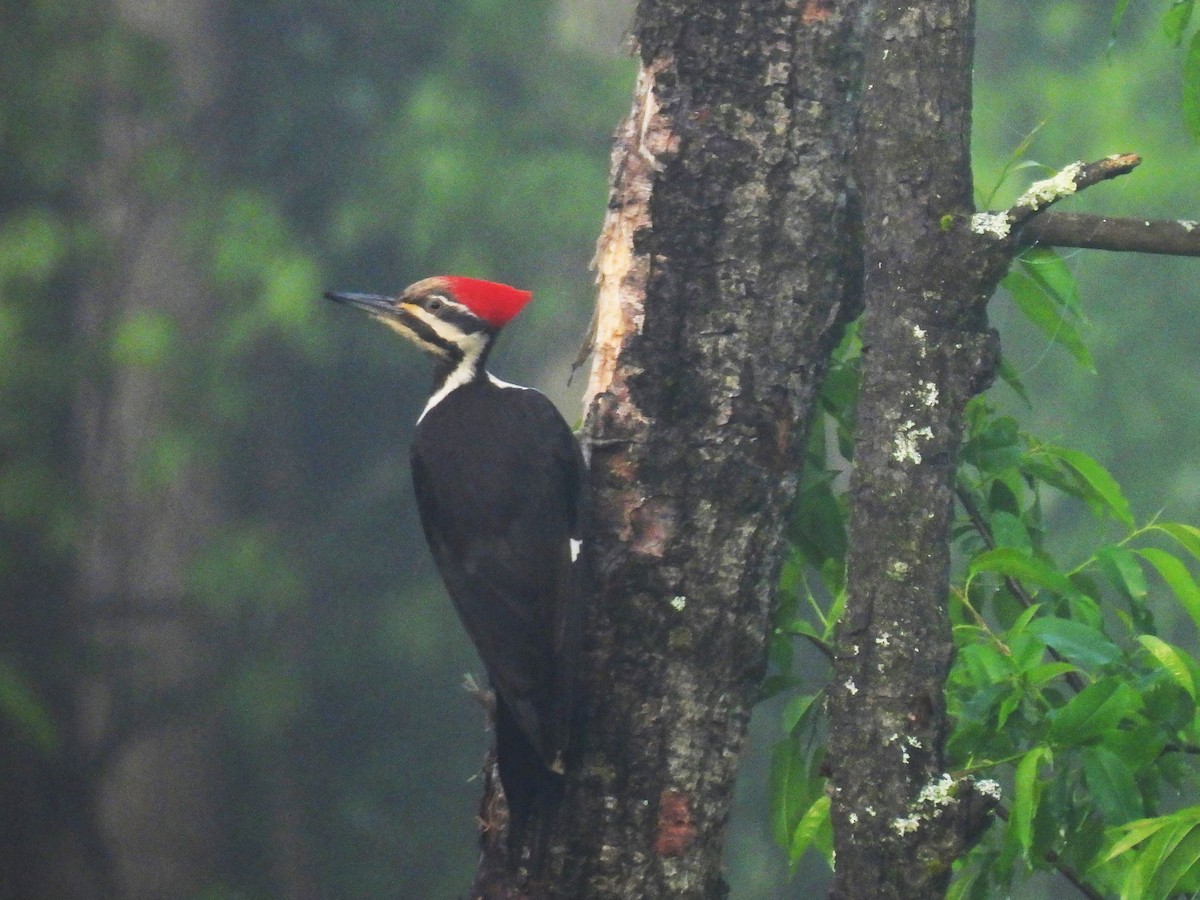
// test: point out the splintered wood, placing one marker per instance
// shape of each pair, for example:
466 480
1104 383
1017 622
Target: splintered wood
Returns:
641 145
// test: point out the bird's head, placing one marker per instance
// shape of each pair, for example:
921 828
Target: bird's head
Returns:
452 317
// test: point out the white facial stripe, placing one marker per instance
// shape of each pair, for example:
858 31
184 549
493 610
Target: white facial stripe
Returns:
472 346
457 379
442 329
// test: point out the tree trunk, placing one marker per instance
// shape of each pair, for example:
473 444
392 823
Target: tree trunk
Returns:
927 351
726 273
728 262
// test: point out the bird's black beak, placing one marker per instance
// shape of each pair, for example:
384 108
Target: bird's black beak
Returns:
373 303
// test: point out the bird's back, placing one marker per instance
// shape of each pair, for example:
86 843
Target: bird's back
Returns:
498 474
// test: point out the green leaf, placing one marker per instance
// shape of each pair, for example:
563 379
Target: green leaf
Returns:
1176 866
1009 531
1176 20
1135 833
994 443
288 290
1046 313
1086 611
985 664
1014 163
1168 704
1007 707
833 573
1026 651
1170 659
792 788
963 886
1163 844
1178 579
1124 571
1012 378
1112 785
1022 621
774 685
815 819
1096 709
1188 536
818 526
1118 14
1191 87
1027 794
780 651
803 627
1139 746
1051 273
1082 644
1102 485
788 779
797 710
1028 569
1167 854
1039 675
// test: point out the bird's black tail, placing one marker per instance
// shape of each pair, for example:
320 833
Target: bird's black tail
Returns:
533 791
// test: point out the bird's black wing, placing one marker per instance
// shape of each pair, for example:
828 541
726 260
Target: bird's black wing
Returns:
498 477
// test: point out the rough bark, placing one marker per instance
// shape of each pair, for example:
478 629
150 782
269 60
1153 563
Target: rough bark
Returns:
725 273
927 350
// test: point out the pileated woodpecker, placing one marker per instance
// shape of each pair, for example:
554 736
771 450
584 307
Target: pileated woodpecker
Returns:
498 478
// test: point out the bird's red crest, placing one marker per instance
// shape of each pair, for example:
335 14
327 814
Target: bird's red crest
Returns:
495 303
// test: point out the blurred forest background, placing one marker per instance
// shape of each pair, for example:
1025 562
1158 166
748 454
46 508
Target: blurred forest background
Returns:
227 668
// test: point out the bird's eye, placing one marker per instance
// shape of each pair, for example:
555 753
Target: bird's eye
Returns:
434 303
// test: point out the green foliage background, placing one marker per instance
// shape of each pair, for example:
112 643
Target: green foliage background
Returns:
365 145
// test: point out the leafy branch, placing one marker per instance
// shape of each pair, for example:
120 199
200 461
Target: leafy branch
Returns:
1079 704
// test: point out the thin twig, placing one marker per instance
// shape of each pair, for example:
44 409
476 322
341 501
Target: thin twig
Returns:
820 645
1064 869
1067 872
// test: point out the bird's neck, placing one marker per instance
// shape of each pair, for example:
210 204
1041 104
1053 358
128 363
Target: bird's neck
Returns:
464 367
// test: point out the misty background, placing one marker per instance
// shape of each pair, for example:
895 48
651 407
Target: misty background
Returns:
227 667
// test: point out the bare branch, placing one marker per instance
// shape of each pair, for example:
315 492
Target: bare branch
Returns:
1166 236
1023 224
1043 194
1071 180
